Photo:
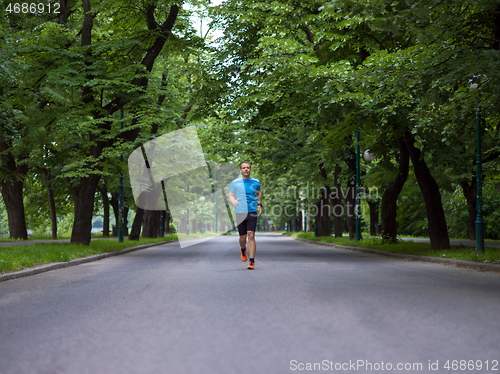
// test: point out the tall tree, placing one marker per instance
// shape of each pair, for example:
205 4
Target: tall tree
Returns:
90 74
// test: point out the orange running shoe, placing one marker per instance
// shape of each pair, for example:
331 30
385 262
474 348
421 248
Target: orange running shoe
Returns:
251 265
243 255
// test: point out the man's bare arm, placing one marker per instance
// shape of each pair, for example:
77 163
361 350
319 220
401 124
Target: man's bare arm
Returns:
232 199
259 197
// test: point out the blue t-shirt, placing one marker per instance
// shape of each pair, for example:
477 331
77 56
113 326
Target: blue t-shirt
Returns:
245 191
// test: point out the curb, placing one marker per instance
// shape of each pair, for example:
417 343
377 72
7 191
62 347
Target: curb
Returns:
435 260
60 265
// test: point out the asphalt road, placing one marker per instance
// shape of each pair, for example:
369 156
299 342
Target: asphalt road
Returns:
305 308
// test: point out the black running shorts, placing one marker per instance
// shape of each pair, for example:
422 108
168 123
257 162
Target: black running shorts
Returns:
246 222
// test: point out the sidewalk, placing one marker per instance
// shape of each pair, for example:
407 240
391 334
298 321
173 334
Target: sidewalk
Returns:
458 242
59 265
481 266
31 242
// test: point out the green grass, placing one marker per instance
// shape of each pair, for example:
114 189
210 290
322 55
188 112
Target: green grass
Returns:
491 255
18 257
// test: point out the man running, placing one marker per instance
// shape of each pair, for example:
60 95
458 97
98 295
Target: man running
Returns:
245 195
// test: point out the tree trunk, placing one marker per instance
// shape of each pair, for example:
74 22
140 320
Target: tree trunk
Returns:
335 199
105 205
350 196
350 210
323 225
51 199
337 204
53 212
373 217
309 223
135 231
116 213
83 199
390 195
323 206
151 223
438 231
167 223
469 190
12 193
125 220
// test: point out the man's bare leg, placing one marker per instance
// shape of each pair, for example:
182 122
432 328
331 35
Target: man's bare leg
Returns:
252 245
243 241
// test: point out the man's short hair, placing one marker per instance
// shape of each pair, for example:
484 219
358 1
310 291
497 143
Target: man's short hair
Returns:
245 162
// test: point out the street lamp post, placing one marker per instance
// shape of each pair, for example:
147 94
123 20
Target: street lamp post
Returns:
121 203
215 200
358 186
479 169
187 216
368 157
479 187
202 199
162 224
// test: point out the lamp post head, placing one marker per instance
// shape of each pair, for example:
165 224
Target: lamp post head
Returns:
369 157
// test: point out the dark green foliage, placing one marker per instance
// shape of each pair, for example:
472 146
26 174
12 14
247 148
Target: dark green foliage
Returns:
286 87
